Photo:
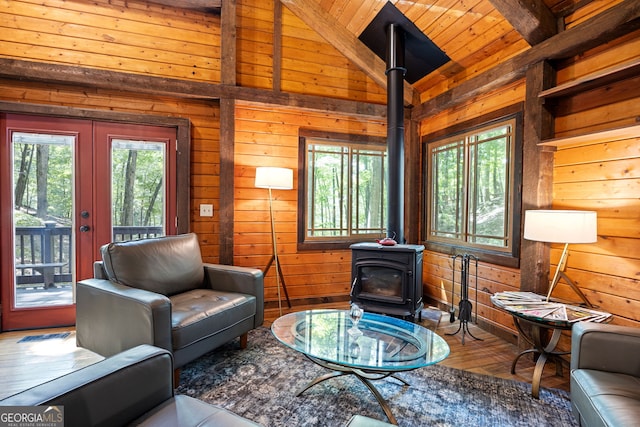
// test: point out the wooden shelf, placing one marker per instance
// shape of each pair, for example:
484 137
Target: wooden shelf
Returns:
625 132
599 78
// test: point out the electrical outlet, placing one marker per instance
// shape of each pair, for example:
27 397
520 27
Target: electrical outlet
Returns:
206 210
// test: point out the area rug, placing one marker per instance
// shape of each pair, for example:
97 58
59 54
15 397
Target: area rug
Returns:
31 338
260 383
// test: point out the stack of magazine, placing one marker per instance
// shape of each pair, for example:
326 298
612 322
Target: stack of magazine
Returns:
534 305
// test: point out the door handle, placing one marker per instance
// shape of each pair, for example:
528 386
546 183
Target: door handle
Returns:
84 228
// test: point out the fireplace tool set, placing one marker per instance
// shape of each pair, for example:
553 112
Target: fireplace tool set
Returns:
465 308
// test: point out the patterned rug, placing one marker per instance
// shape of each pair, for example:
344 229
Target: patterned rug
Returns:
261 382
31 338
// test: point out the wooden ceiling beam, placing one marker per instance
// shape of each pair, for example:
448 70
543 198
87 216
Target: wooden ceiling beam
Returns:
615 22
312 14
531 18
17 69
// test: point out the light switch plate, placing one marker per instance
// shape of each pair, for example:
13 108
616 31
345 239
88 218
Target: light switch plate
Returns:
206 210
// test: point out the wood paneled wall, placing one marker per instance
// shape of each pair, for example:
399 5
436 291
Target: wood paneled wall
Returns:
142 38
267 135
308 64
255 44
118 35
604 177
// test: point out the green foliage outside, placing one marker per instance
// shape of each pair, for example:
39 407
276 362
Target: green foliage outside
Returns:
23 219
345 191
139 202
470 187
44 189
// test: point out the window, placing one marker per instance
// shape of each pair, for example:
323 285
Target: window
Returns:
343 189
471 182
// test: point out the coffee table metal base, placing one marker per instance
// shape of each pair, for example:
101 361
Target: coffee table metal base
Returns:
365 376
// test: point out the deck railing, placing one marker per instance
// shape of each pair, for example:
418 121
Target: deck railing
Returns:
43 254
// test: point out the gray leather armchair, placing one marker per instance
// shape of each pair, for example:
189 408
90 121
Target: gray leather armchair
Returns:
131 388
605 374
158 291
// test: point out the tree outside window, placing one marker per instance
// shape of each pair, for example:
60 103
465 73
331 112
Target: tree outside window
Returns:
138 170
471 177
344 190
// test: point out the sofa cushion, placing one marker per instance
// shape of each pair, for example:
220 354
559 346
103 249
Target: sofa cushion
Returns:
187 411
165 265
200 313
111 392
605 398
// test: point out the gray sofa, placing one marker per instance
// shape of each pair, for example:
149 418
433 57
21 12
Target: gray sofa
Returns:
605 374
158 292
134 387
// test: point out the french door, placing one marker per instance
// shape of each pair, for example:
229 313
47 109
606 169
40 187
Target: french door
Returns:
68 186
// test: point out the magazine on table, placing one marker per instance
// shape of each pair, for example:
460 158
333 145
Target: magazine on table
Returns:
519 296
548 311
578 314
531 304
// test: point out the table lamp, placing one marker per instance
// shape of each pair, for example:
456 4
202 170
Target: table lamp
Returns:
561 226
279 179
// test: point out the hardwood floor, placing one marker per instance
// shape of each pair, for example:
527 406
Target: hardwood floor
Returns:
493 356
25 364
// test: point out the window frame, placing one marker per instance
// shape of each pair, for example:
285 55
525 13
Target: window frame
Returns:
339 138
510 256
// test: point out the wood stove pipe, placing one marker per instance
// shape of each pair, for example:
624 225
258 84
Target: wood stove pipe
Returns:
395 132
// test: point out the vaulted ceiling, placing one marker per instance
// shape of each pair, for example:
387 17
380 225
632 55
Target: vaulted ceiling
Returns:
474 34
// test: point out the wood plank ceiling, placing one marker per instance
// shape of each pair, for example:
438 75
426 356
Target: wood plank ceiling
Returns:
475 34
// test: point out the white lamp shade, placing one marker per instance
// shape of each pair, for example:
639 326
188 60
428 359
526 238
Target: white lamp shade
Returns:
275 178
561 226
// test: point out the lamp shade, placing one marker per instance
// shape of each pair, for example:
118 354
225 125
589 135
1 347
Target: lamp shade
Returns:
561 226
275 178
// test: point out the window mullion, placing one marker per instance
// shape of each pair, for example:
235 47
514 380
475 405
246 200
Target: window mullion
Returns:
311 207
383 189
350 208
465 190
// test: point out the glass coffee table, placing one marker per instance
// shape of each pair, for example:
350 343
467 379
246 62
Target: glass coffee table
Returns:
380 347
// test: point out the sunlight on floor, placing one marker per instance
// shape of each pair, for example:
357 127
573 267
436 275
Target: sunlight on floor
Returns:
33 362
52 347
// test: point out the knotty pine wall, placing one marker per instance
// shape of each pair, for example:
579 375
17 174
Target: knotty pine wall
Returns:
267 135
491 31
117 35
604 177
313 67
309 65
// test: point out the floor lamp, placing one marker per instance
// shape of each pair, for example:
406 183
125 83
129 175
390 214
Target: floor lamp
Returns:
561 226
278 179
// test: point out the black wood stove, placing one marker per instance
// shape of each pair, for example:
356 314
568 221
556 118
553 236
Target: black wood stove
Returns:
387 279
